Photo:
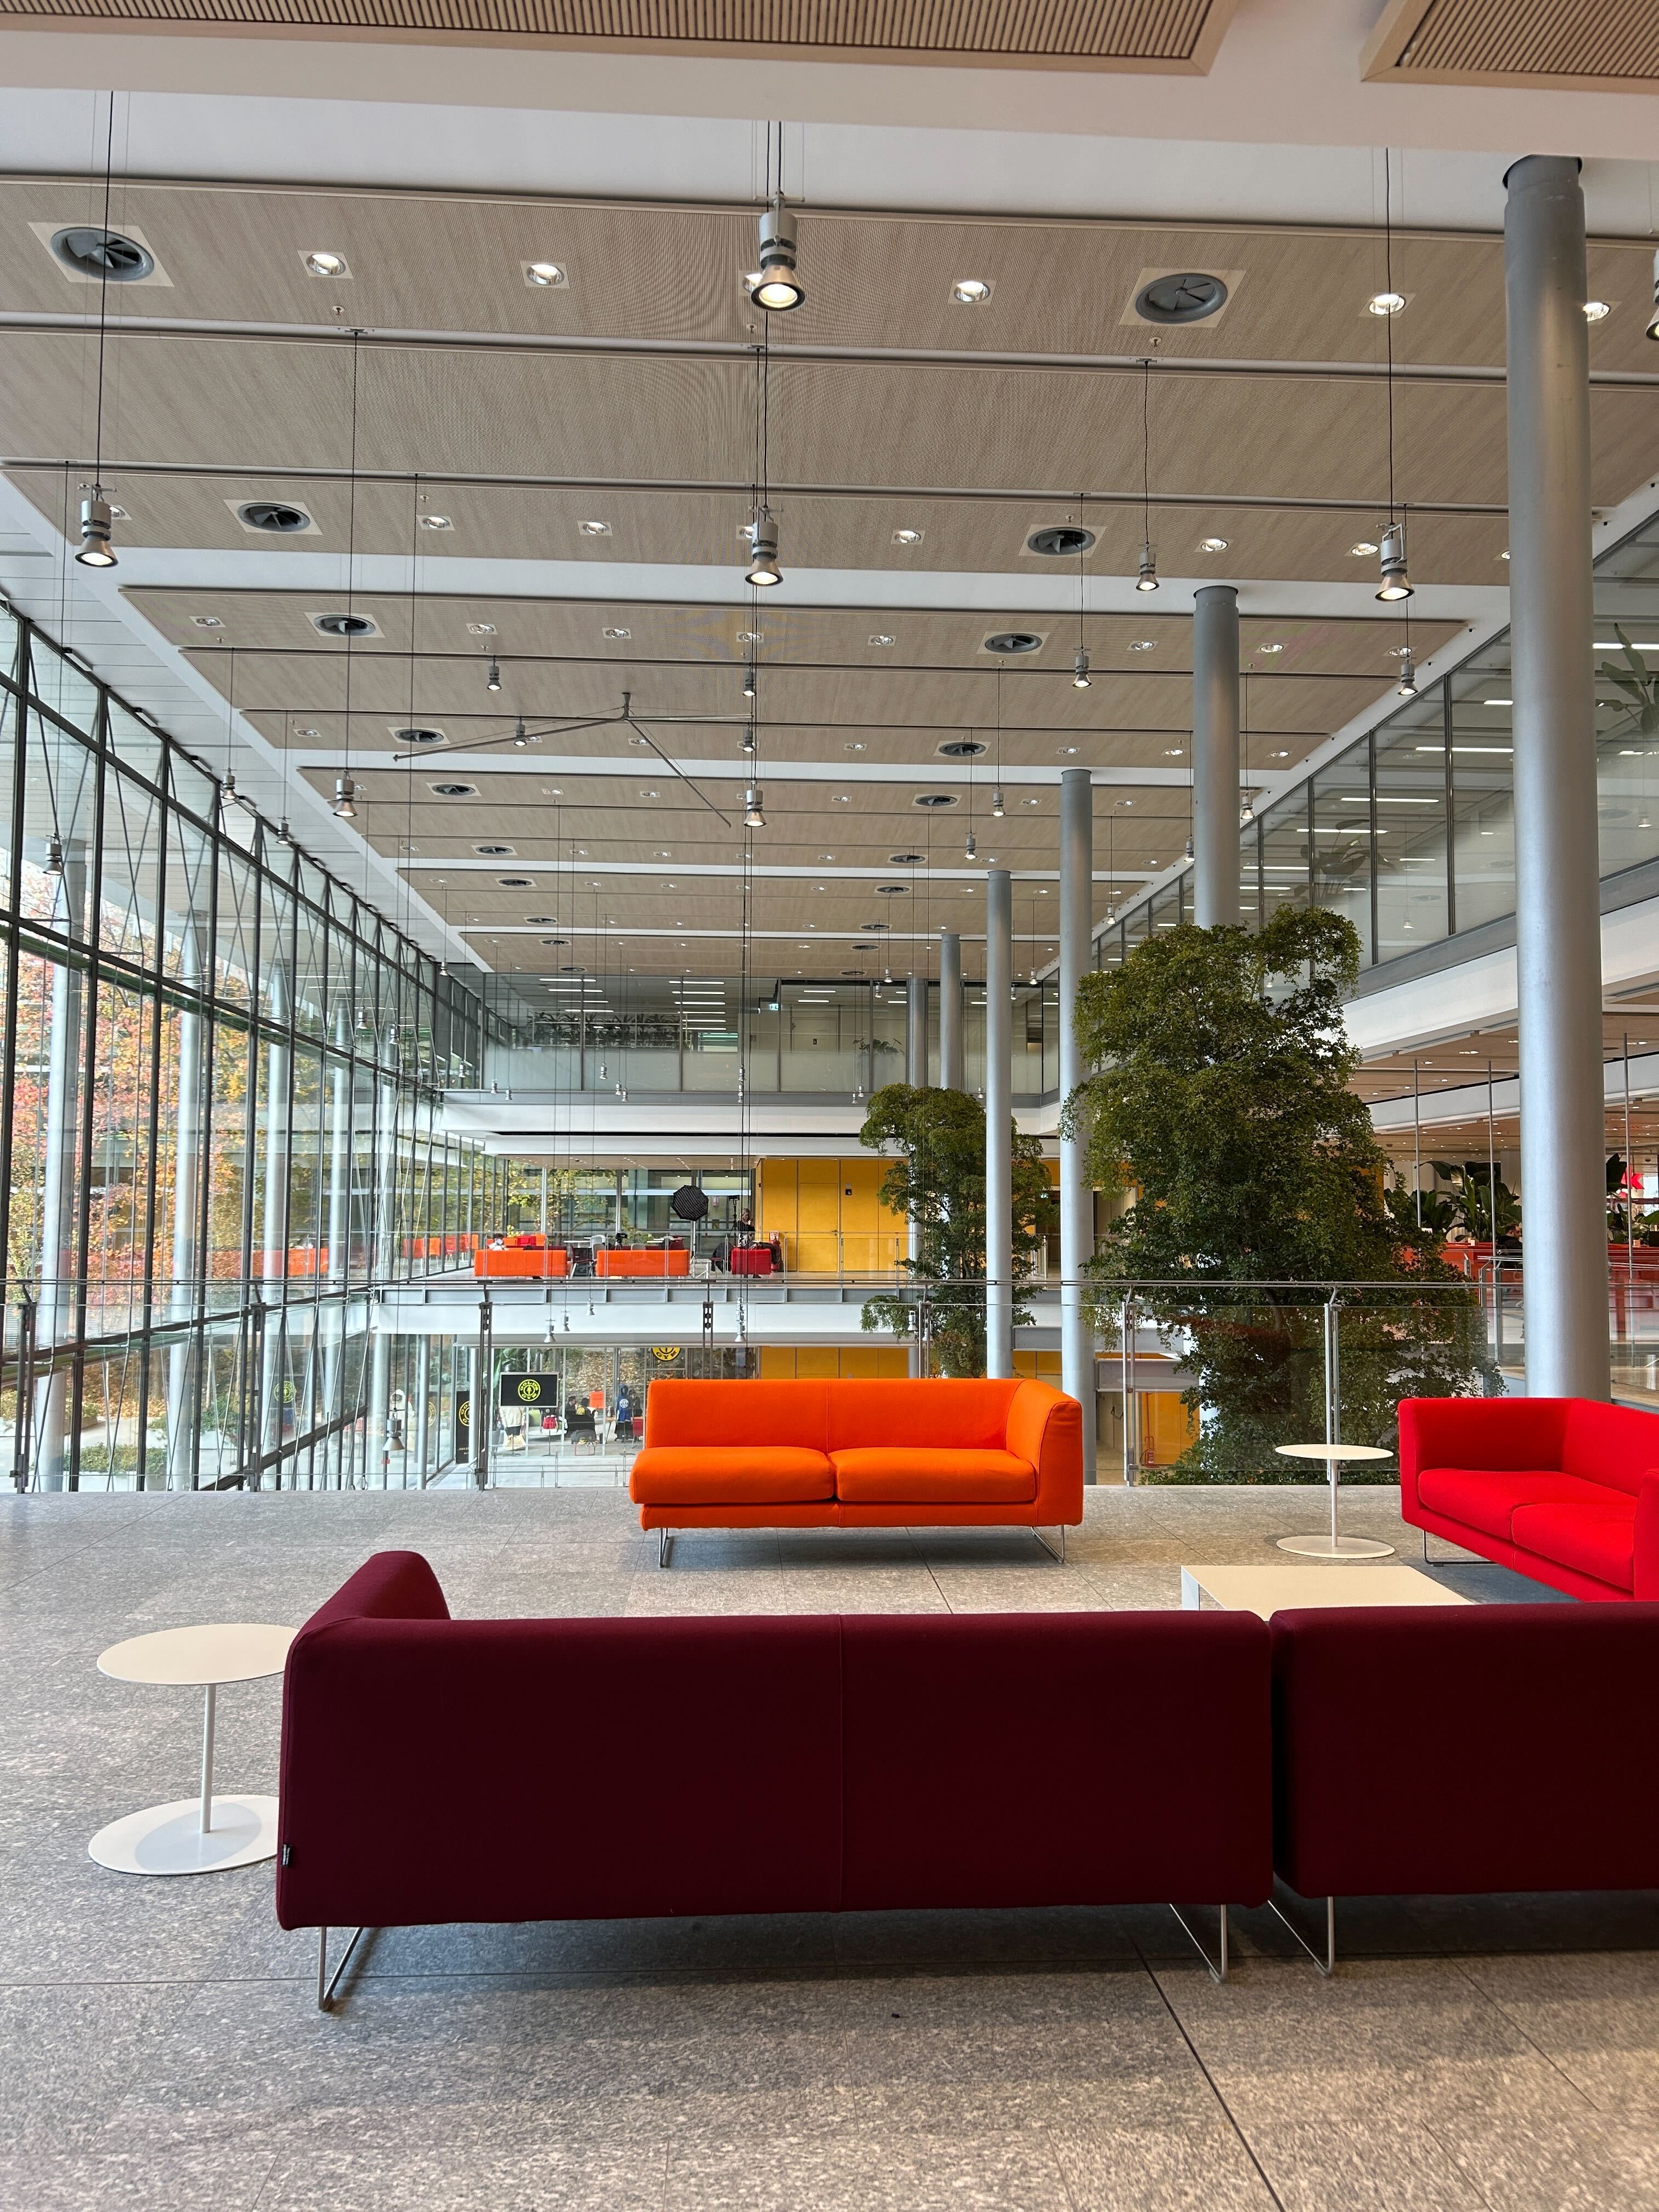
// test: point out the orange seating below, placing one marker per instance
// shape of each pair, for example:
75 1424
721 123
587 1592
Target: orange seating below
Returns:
855 1453
539 1266
655 1265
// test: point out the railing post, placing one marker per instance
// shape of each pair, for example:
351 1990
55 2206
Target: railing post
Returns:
1131 1421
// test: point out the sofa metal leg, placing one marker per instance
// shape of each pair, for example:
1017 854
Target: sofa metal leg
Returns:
1059 1557
1217 1968
664 1546
327 1984
1327 1966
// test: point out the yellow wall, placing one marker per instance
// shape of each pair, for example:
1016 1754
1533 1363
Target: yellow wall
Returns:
1041 1366
829 1216
1167 1427
782 1363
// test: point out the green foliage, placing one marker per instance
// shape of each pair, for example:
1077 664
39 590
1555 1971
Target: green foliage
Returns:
937 1182
1222 1113
1638 691
1470 1200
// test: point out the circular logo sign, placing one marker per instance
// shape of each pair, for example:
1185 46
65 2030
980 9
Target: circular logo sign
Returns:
665 1354
530 1390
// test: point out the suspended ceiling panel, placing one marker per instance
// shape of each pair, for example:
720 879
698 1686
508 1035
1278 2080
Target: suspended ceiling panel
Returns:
1163 37
1575 45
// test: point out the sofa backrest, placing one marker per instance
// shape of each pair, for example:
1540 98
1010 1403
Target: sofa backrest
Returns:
1614 1445
921 1414
736 1413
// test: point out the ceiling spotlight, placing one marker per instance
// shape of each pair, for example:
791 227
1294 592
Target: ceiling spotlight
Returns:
493 681
96 527
1653 319
326 265
1211 544
1406 686
970 291
972 847
546 275
436 522
753 817
1396 584
764 570
1386 303
779 289
998 810
749 681
345 795
1147 580
907 538
1597 311
1363 548
1080 670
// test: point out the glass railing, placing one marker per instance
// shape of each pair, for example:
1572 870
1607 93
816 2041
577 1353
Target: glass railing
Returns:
1410 831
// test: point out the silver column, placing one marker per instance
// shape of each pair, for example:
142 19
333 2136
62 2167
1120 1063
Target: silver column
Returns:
183 1364
330 1320
55 1319
1558 912
1076 1198
999 1123
1215 756
950 1011
273 1239
915 1034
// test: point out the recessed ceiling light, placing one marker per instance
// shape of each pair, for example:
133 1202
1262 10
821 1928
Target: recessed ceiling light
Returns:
615 636
1504 554
906 536
970 291
481 629
880 637
853 745
324 264
436 522
1363 548
206 621
1385 303
1030 802
307 733
1173 752
594 529
1270 648
752 637
1142 644
1065 748
1211 544
1596 311
544 275
1278 756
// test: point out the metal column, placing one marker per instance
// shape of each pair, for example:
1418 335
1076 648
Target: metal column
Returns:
55 1316
999 1123
915 1034
1076 1198
950 1011
273 1237
1557 910
183 1361
1215 756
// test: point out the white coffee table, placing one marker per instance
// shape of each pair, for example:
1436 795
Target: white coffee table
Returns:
199 1834
1269 1590
1334 1546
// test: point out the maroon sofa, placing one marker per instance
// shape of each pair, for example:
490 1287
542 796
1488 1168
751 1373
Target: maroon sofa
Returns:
1565 1490
1465 1750
438 1770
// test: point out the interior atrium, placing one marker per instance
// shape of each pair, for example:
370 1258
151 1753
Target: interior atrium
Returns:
903 702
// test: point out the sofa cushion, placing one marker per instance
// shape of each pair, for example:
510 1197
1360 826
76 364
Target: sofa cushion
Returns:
925 1414
719 1413
1599 1540
1612 1444
903 1474
1486 1498
729 1474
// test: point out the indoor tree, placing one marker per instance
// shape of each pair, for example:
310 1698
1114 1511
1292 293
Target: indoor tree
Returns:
1222 1114
937 1182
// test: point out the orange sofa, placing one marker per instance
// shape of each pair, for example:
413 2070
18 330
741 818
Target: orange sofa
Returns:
544 1265
636 1262
858 1454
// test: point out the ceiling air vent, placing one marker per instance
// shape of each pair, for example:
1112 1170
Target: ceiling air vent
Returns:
102 256
344 625
454 790
1187 297
892 890
905 860
421 736
275 515
931 799
1062 541
961 748
1009 641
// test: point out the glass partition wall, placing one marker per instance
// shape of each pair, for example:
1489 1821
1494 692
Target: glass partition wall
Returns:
222 1073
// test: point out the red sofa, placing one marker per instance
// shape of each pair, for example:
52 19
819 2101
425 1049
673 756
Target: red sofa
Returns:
436 1769
1565 1490
1529 1759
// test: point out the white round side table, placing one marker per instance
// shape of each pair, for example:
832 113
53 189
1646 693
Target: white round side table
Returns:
199 1834
1334 1546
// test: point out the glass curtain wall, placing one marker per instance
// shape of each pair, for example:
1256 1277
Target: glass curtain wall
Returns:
1410 832
221 1075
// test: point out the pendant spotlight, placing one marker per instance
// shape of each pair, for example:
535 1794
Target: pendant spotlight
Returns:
493 681
998 810
765 568
1147 580
972 847
1080 670
97 525
1189 847
749 681
1653 319
1246 810
753 815
749 744
518 737
1396 584
1406 686
779 289
345 795
55 857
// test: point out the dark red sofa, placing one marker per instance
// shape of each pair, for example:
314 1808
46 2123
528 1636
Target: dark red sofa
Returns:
1565 1490
437 1771
1466 1750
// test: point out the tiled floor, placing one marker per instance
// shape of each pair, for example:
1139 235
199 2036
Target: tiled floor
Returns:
160 2047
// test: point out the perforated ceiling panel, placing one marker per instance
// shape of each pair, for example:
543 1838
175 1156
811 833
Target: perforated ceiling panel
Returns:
1162 35
1581 42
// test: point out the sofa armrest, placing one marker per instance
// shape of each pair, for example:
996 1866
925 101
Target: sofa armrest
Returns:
392 1586
1046 1427
1491 1432
1646 1582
